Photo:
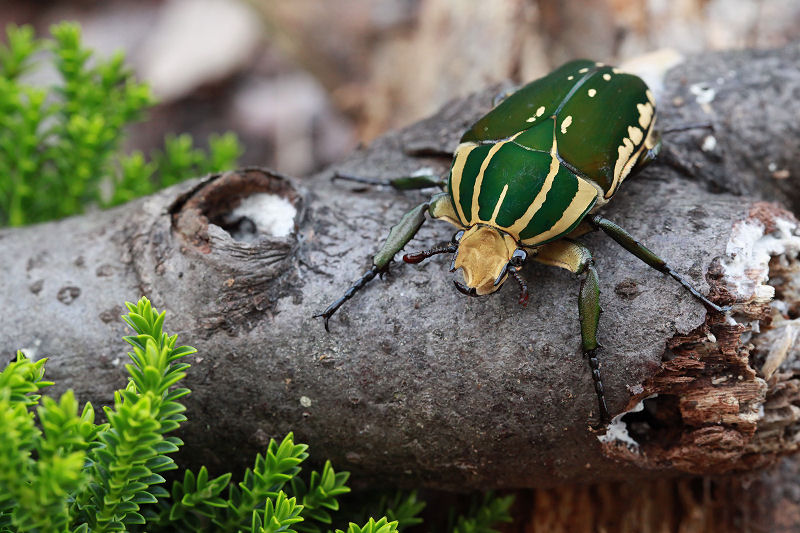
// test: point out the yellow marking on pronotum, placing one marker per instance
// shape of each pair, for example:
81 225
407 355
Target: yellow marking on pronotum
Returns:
645 114
570 78
583 198
530 119
583 70
565 124
493 220
537 203
592 92
650 96
607 76
462 152
479 180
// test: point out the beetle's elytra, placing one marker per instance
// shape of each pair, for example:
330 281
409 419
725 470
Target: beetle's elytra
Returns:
527 180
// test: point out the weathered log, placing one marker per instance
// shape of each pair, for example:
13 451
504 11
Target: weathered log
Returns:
419 383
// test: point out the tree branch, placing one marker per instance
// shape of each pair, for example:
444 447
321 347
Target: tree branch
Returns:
420 383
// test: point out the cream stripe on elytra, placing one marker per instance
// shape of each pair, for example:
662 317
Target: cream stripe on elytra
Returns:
476 191
583 198
462 152
493 220
522 222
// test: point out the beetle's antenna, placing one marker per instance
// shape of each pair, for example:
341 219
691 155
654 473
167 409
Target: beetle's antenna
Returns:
358 179
687 127
418 257
523 295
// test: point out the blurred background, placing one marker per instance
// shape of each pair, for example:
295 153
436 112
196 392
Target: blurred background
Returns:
302 82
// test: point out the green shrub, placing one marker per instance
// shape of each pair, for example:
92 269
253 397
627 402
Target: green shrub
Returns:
60 146
60 471
70 474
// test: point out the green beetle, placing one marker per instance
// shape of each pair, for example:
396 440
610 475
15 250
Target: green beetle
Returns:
527 179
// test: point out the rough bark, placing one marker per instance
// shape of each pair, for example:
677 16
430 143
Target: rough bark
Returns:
419 383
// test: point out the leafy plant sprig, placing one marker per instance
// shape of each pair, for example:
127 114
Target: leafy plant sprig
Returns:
483 517
60 147
70 474
60 471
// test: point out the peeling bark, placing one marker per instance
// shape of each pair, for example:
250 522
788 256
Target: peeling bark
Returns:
712 408
417 382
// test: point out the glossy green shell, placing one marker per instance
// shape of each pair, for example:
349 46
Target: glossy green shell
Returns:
537 163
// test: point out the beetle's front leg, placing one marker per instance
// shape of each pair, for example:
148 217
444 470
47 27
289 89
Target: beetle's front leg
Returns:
577 258
403 183
398 237
645 254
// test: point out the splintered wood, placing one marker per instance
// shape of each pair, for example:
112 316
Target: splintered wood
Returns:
726 398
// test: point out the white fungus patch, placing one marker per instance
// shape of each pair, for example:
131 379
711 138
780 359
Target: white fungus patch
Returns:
746 271
305 401
272 215
617 431
709 143
31 352
703 93
749 249
424 171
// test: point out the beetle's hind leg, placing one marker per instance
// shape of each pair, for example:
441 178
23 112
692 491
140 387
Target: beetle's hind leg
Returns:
645 254
577 258
687 127
402 183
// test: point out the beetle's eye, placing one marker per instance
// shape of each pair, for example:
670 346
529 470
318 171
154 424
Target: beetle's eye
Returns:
519 257
457 235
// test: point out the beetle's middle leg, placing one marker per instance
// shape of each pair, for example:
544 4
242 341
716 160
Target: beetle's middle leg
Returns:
402 183
645 254
575 257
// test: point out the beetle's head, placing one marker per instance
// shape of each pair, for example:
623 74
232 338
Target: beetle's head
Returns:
487 256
